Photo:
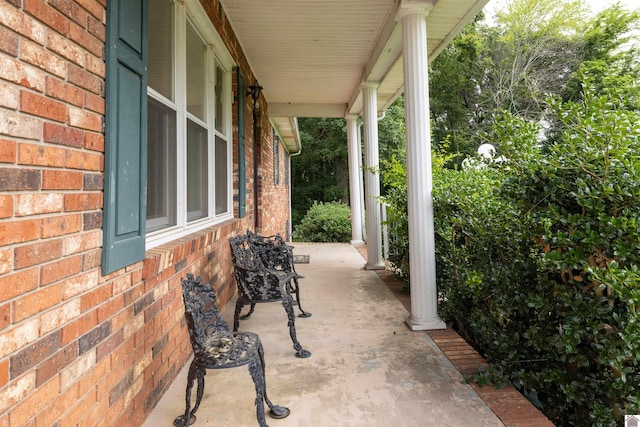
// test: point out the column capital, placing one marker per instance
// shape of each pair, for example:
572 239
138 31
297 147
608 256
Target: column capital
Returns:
414 7
374 85
351 117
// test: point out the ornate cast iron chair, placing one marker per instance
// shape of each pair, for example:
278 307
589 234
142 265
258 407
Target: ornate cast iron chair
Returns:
214 347
258 283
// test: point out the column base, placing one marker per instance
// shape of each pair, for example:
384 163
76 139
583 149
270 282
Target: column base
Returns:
375 266
421 324
357 242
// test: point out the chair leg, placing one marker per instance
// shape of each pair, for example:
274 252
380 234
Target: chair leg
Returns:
287 302
257 375
189 416
201 373
275 411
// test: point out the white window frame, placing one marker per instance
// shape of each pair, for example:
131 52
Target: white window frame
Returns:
191 12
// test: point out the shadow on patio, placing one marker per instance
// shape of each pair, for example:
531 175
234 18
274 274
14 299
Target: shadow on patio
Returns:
367 368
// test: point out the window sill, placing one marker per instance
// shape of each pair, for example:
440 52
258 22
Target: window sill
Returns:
175 255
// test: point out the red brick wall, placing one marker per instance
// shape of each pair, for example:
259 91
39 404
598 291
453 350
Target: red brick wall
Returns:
77 347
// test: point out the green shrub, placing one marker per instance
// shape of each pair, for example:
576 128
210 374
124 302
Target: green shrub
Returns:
394 179
325 222
583 195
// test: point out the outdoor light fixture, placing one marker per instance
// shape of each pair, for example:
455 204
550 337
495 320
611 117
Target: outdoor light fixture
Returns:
254 90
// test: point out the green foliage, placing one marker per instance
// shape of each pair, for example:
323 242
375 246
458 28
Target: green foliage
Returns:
394 180
453 80
538 257
392 129
320 172
583 196
604 59
325 222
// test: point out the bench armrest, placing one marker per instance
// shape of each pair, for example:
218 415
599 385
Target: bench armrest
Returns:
263 284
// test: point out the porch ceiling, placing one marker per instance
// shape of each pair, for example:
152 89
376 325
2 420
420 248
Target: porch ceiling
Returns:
311 56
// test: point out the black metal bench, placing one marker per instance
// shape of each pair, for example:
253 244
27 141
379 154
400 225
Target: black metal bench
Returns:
215 347
277 255
263 268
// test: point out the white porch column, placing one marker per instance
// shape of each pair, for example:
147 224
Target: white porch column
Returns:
372 177
424 295
354 179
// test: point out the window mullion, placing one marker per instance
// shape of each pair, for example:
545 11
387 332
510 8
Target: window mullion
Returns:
181 104
211 135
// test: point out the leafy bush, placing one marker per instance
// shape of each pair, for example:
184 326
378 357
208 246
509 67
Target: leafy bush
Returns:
538 259
325 222
583 195
394 180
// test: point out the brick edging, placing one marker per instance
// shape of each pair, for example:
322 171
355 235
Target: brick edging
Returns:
507 403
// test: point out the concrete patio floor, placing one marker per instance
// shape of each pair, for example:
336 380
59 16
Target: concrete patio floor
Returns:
367 367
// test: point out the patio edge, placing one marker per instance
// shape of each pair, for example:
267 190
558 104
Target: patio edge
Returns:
507 403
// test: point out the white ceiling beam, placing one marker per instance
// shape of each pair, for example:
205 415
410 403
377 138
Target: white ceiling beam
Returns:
307 110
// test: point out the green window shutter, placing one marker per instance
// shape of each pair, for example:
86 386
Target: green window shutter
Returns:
242 177
125 134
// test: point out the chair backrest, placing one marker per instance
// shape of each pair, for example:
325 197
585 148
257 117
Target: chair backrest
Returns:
201 312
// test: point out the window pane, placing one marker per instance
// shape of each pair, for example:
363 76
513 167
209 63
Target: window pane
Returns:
195 74
196 171
161 166
220 96
160 68
222 186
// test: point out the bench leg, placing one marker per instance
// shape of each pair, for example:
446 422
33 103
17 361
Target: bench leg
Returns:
250 312
296 290
287 302
236 315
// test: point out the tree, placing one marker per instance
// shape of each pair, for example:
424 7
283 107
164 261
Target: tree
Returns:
608 55
534 49
320 172
454 79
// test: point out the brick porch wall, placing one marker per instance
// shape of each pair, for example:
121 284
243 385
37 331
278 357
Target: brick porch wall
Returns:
77 347
274 197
